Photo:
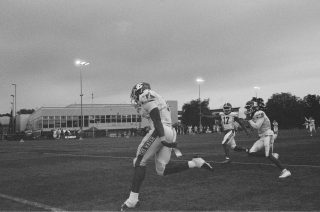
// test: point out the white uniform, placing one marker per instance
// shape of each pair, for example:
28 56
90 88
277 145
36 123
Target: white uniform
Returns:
151 144
261 122
312 125
228 124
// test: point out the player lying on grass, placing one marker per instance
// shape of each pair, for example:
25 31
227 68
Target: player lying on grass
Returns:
159 142
259 120
228 119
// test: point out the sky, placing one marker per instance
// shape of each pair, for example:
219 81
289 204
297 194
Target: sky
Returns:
233 45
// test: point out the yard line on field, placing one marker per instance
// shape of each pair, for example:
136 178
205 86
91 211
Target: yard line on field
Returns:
124 157
92 156
31 203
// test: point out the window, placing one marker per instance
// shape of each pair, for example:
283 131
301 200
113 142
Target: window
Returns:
113 119
128 118
134 118
118 118
63 122
97 119
45 122
86 121
123 118
108 118
69 121
91 119
139 118
103 119
75 121
57 123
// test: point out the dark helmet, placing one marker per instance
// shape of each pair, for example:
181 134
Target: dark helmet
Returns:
251 107
137 90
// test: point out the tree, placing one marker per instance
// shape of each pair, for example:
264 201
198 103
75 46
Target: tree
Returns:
25 111
287 109
191 113
312 107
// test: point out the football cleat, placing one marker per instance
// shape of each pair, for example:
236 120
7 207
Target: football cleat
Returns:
200 163
227 160
276 155
127 205
285 173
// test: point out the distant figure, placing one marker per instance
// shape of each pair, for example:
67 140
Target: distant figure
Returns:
275 126
312 126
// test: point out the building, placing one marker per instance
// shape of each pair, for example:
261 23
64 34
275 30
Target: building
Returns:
95 116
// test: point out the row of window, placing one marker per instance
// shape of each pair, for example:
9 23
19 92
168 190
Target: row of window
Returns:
75 121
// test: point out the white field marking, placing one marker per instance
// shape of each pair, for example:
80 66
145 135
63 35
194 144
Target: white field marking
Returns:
31 203
242 163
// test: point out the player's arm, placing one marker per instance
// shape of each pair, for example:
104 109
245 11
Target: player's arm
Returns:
256 124
155 117
237 119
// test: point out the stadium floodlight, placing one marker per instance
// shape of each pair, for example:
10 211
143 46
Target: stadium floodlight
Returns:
199 80
256 88
81 63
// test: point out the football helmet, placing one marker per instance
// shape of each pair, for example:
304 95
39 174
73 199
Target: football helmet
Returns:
137 90
251 107
227 108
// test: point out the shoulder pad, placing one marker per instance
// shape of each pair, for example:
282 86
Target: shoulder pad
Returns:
146 96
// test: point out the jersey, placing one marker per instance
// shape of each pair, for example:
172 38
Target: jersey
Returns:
149 100
261 122
228 120
312 123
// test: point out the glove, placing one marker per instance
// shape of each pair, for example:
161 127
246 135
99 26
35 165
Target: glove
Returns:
170 145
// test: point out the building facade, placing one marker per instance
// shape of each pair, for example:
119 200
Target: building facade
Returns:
99 116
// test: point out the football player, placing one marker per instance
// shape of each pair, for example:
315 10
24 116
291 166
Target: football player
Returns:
158 142
259 120
275 127
312 126
228 119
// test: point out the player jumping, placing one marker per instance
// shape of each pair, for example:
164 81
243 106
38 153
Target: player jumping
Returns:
159 142
259 120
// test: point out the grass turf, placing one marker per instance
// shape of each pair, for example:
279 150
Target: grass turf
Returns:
95 175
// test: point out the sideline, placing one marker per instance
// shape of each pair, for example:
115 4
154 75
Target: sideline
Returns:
31 203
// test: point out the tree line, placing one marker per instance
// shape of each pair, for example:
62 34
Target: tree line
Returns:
289 110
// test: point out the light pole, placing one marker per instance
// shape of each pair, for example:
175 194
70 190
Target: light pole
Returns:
12 115
256 88
199 80
81 63
15 106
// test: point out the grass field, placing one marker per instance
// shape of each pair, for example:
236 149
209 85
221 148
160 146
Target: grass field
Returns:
95 175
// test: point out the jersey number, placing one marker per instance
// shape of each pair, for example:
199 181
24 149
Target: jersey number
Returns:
226 120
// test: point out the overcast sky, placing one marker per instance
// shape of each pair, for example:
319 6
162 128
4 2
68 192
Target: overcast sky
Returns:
233 45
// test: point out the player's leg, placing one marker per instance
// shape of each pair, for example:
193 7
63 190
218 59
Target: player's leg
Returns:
225 144
166 167
148 147
257 149
267 140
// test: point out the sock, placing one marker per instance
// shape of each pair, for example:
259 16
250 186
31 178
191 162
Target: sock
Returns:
276 162
138 177
226 151
239 149
191 164
172 168
133 198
